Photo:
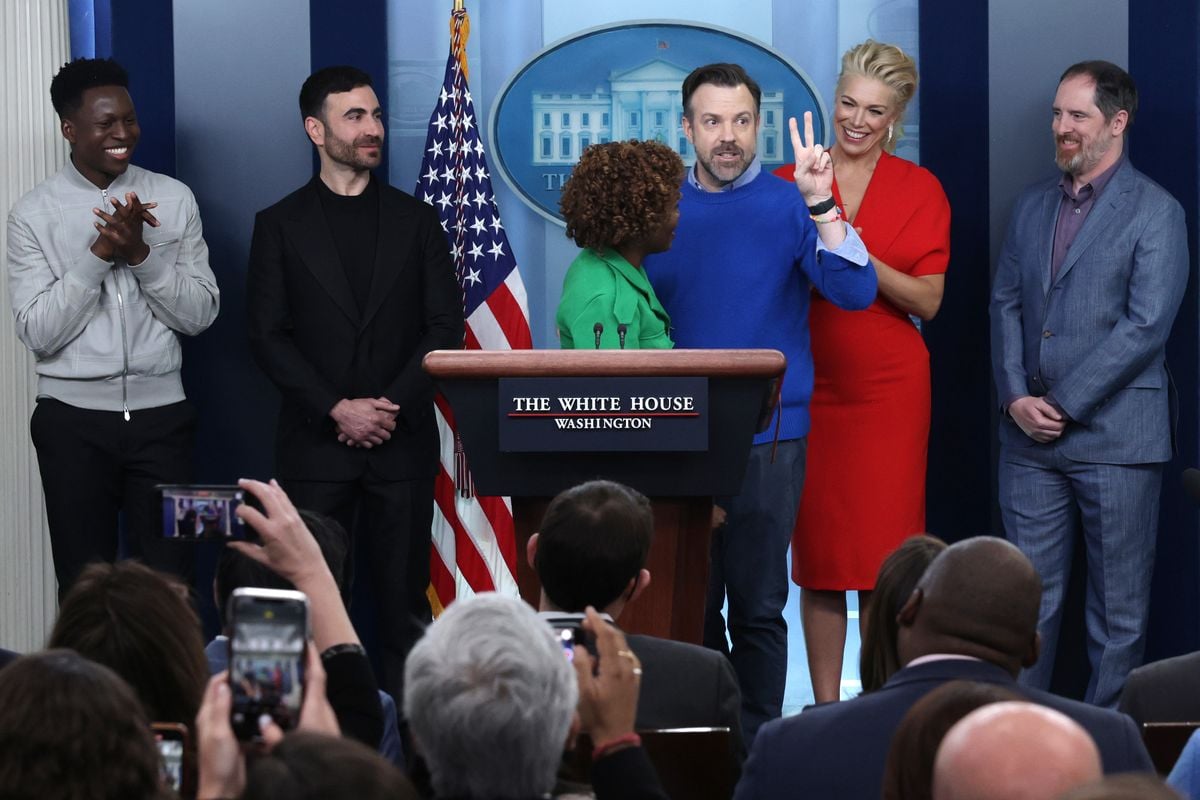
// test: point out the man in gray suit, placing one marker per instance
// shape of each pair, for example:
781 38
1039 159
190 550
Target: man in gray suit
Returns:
1090 277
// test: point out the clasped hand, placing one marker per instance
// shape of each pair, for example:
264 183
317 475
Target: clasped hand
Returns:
121 231
365 421
1038 419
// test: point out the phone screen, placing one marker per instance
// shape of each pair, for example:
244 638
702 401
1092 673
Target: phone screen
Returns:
201 512
171 740
266 660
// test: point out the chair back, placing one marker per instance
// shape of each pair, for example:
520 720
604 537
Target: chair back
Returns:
1165 740
696 763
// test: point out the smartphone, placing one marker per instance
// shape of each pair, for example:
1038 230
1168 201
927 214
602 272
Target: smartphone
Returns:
269 629
571 633
174 754
191 513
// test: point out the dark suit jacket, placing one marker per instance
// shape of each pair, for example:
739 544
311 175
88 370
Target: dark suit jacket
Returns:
687 686
311 339
1164 691
838 750
7 657
1094 338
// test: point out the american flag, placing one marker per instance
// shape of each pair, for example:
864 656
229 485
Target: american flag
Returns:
474 544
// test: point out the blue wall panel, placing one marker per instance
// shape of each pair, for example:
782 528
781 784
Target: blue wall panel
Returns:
1164 59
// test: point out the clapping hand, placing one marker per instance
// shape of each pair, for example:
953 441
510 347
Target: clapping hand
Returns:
121 231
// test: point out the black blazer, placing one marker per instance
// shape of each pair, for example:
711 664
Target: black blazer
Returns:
1164 691
687 686
838 750
309 337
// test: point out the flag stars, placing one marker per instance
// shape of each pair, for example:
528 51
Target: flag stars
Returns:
476 251
496 250
443 97
495 225
444 201
440 122
473 277
436 149
479 226
447 174
431 175
480 199
481 174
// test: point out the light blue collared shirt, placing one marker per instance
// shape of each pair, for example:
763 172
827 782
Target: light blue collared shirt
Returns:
852 248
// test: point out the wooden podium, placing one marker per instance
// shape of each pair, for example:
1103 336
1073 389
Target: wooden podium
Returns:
742 391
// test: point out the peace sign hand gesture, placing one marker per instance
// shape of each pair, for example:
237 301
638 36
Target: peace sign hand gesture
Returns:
814 169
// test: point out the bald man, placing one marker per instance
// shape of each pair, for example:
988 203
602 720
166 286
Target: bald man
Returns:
973 616
1014 751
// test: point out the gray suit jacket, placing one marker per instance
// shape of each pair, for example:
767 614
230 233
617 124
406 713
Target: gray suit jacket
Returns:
1095 338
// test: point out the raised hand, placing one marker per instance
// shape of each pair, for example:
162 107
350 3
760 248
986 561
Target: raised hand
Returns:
814 169
120 232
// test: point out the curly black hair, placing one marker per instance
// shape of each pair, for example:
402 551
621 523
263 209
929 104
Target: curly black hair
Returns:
76 77
620 192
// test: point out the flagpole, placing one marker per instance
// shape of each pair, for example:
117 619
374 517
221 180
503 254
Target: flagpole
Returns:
459 5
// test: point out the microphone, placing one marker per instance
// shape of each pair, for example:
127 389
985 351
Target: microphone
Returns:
598 329
621 329
1191 483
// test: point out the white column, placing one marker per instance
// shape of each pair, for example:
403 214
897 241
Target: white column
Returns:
34 43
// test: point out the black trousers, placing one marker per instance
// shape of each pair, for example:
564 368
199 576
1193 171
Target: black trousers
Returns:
394 519
96 465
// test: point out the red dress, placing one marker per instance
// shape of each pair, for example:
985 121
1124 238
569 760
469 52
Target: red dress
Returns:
864 485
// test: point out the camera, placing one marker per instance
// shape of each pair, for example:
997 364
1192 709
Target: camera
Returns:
269 631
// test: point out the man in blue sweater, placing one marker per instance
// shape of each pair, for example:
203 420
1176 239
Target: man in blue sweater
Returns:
747 250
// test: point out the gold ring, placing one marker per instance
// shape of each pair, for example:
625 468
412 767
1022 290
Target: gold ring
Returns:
627 654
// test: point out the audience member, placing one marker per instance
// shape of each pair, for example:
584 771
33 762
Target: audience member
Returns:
71 728
235 571
490 701
1014 751
973 616
1130 786
290 551
1164 691
898 576
591 551
313 766
908 772
138 622
1185 776
222 763
7 657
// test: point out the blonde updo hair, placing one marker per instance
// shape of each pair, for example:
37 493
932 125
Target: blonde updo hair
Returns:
889 65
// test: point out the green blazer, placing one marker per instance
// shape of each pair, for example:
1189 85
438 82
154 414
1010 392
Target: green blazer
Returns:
603 287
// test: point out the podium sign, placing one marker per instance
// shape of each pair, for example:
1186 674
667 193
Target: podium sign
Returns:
619 414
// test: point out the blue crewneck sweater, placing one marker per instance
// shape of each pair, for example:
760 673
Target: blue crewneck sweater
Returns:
738 275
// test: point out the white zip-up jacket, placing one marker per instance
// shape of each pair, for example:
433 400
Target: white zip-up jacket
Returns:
104 334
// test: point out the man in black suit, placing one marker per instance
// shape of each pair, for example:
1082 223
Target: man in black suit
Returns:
1164 691
591 551
350 285
973 616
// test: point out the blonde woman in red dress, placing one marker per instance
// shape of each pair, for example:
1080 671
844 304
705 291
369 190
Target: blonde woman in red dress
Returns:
864 491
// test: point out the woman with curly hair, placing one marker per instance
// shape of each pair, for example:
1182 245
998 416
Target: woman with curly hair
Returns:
621 204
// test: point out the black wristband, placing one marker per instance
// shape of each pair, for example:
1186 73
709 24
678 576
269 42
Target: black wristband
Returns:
344 647
823 206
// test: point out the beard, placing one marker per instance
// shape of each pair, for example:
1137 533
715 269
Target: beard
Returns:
725 173
1088 156
348 153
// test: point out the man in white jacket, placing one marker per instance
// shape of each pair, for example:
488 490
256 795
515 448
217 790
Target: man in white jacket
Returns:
106 266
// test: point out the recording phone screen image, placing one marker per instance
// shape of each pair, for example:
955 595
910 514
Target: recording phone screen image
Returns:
201 512
170 751
266 664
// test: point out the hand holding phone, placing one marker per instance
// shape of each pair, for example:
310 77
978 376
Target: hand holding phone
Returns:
269 632
199 513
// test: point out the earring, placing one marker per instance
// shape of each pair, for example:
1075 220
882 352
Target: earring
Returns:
891 132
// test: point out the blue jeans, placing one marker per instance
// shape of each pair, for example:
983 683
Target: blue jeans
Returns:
749 567
1044 499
